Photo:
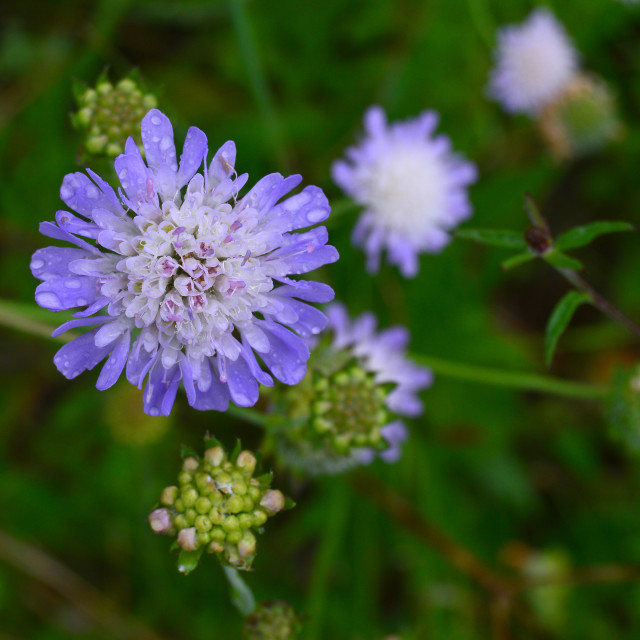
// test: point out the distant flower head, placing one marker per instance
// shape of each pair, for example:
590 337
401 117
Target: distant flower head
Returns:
108 115
359 384
412 187
186 280
535 62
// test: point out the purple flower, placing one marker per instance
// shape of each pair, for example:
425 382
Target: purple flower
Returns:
535 63
182 280
383 355
412 187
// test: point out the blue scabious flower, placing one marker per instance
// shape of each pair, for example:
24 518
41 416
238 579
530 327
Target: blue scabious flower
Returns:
535 63
182 280
412 187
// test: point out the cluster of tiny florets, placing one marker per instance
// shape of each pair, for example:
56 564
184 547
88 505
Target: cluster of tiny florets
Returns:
273 620
218 506
109 114
349 411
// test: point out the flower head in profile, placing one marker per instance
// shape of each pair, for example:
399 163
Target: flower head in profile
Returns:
412 187
348 408
535 62
184 281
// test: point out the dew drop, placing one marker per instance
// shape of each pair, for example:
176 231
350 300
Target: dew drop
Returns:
316 215
37 264
165 143
48 300
81 301
72 283
155 121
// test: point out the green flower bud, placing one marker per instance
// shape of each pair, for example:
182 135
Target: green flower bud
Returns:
214 508
345 412
582 121
274 620
108 115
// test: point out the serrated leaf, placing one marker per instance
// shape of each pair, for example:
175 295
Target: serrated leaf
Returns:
559 321
562 261
582 236
241 595
518 259
494 237
188 560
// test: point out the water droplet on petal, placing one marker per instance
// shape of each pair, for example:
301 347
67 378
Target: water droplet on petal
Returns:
72 283
155 121
37 264
48 300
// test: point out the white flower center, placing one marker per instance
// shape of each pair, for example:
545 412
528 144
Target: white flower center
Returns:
406 189
194 273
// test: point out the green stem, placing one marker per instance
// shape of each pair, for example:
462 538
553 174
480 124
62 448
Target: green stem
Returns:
337 511
249 415
16 315
599 301
259 86
241 595
511 379
483 21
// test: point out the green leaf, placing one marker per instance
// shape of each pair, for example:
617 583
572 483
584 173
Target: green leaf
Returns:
517 260
494 237
188 560
559 321
241 595
582 236
562 261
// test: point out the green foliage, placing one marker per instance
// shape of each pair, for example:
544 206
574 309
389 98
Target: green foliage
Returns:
559 321
494 237
585 235
486 464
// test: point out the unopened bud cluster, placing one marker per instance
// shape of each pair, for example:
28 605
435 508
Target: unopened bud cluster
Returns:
349 410
110 114
273 620
218 506
582 120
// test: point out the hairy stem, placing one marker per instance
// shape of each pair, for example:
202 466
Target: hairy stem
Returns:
599 301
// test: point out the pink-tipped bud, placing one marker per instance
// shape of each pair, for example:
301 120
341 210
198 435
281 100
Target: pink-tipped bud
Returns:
273 501
187 539
160 521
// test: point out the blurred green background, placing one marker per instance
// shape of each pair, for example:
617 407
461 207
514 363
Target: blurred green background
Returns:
515 477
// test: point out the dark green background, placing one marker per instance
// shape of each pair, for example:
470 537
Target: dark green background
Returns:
488 466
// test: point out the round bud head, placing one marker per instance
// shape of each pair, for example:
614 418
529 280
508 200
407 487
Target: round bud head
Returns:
273 620
160 521
109 115
216 506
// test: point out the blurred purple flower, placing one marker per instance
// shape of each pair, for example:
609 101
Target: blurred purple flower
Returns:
535 63
383 354
176 269
412 187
